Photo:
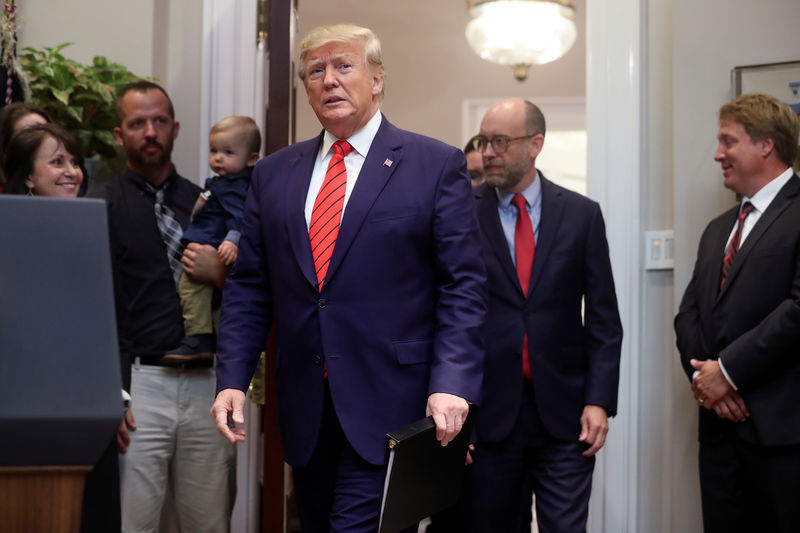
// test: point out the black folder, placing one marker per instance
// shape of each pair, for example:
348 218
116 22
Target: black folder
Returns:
422 476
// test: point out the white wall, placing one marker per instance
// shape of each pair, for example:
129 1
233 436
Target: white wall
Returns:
160 39
430 67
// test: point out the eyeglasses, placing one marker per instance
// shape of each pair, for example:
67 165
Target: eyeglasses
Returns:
499 142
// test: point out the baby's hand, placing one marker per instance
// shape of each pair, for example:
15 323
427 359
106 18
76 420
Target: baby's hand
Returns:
227 252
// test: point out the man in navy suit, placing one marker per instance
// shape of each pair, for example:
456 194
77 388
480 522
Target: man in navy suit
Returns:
381 331
738 327
553 337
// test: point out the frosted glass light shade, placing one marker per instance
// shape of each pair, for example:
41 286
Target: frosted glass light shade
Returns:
521 33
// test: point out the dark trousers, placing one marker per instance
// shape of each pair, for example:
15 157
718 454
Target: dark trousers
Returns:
101 511
337 491
504 476
748 487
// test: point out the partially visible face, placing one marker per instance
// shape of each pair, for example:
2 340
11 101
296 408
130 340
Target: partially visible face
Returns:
740 157
147 132
475 168
341 88
55 171
26 121
228 153
510 170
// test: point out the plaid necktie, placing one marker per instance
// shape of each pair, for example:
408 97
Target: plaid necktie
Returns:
171 232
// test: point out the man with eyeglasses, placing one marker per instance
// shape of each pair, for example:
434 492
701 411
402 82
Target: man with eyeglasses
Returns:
552 366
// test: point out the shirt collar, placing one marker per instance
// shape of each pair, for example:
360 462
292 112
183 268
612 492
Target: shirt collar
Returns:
142 184
531 193
768 192
360 140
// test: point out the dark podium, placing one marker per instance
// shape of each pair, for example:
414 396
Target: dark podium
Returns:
60 401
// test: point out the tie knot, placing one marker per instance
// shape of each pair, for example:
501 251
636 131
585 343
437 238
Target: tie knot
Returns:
746 209
519 201
342 147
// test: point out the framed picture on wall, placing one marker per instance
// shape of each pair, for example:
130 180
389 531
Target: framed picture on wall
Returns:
781 80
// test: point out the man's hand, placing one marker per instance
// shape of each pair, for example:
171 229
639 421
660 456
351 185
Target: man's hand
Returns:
201 262
732 407
229 402
123 437
448 412
227 252
710 385
594 428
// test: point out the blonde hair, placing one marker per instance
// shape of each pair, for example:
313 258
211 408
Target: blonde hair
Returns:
343 33
762 116
244 125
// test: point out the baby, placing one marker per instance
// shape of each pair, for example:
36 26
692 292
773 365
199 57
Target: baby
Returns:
234 144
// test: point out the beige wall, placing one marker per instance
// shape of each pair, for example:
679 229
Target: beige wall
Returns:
708 39
430 67
160 39
117 29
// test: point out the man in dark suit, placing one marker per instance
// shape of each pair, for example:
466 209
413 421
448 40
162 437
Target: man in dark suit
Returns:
381 331
551 374
738 327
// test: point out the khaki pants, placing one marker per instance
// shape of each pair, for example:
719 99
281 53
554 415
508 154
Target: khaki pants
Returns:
196 303
176 442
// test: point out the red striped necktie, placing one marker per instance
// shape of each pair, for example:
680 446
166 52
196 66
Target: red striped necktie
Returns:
524 250
733 247
326 216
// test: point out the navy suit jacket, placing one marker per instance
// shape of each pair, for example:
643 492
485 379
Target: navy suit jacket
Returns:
752 322
574 361
403 303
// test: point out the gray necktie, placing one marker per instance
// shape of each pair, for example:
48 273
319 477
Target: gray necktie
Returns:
171 232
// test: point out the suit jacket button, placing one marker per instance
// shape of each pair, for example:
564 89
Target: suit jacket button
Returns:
323 303
317 360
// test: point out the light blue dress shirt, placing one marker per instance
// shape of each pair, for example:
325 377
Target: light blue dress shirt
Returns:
508 212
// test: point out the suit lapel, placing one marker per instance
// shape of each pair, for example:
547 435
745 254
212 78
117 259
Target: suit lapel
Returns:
374 175
490 223
779 204
299 177
552 210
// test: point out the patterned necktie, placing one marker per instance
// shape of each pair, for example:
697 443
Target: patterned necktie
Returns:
524 250
326 215
733 246
171 232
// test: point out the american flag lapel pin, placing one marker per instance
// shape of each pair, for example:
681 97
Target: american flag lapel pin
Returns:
388 162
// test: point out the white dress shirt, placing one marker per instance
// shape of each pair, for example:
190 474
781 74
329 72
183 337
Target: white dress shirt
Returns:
361 142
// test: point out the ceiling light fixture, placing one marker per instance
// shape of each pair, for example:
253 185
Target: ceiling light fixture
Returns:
521 33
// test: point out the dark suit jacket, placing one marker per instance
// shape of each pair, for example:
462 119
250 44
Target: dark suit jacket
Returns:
753 322
401 310
574 361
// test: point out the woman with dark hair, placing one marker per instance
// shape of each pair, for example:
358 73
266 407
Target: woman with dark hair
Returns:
14 118
43 160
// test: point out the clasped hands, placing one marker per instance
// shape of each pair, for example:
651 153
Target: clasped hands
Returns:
712 391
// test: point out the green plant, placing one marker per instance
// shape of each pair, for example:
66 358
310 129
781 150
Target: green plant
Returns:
81 98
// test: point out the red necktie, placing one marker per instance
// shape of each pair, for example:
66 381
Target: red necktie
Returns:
733 247
326 215
524 250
